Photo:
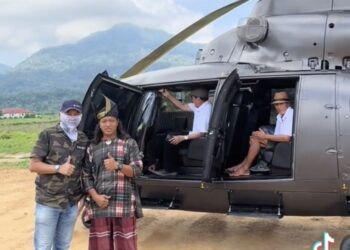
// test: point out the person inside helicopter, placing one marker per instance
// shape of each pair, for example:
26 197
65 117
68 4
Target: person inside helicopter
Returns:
201 108
260 139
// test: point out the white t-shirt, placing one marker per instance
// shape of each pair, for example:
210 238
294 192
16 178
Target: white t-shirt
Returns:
201 117
284 125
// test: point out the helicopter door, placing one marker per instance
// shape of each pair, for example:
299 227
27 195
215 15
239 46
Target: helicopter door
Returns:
315 132
127 98
343 117
227 91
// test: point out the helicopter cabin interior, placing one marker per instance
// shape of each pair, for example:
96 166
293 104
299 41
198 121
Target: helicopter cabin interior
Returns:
248 110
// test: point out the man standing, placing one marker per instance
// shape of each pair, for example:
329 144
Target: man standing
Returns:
57 158
114 161
201 108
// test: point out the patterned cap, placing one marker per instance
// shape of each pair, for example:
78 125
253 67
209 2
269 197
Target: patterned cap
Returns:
109 109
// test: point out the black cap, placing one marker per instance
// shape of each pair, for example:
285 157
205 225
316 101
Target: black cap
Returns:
200 92
71 104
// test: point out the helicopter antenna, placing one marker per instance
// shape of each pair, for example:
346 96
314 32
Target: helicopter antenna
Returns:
178 38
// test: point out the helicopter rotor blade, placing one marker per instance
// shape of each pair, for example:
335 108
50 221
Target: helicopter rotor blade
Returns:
178 38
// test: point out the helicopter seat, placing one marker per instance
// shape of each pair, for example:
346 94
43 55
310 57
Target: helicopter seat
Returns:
167 123
180 122
278 157
282 157
193 156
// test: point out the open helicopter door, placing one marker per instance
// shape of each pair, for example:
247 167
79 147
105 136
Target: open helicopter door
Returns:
127 98
215 139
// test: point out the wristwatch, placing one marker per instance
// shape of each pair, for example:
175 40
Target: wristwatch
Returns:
120 166
57 168
186 137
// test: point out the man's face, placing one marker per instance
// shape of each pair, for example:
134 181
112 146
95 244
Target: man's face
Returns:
197 101
109 126
281 108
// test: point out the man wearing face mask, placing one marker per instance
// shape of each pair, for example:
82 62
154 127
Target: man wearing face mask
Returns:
57 158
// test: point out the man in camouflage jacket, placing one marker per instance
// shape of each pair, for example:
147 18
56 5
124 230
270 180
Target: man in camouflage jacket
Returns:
58 158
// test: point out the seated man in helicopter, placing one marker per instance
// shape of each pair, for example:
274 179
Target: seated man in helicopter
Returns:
260 139
202 111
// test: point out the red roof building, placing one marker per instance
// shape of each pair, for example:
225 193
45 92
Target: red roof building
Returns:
15 113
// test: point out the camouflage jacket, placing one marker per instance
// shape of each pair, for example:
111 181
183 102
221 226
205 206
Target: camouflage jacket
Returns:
53 147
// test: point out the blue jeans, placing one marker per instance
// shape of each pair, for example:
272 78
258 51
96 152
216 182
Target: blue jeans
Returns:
54 227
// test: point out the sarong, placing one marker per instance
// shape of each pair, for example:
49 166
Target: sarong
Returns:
113 234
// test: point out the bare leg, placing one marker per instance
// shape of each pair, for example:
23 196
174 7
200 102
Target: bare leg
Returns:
252 153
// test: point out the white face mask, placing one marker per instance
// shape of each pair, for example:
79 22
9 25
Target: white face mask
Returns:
70 122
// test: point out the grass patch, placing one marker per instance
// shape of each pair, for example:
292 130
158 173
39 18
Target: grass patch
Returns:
28 124
17 142
20 135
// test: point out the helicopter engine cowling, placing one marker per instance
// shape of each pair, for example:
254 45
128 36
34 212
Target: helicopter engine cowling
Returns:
294 41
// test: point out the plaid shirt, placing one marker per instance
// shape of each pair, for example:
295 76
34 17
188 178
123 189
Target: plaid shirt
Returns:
125 200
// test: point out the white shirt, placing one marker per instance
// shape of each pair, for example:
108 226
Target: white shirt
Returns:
284 125
201 117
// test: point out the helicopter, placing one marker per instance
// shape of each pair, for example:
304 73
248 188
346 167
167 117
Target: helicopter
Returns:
300 47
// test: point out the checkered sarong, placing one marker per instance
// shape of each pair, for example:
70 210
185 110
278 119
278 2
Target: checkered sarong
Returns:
113 234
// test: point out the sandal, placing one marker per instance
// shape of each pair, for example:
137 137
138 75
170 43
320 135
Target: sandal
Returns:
232 169
240 172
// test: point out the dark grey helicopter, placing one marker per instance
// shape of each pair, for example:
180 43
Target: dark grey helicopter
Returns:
301 47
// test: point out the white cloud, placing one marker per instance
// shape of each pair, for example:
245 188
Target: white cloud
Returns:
27 26
77 29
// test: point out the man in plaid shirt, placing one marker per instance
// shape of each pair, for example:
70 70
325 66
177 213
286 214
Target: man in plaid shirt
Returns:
113 162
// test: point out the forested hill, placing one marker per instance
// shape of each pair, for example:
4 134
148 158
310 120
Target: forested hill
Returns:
42 81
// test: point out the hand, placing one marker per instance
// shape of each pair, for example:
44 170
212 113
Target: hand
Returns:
176 139
164 92
101 200
259 135
67 169
110 163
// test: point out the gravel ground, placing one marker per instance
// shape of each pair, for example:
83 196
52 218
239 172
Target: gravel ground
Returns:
170 230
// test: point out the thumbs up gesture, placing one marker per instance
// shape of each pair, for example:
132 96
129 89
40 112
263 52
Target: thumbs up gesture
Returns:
67 168
110 163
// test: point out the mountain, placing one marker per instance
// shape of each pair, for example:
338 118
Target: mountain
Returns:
45 79
4 68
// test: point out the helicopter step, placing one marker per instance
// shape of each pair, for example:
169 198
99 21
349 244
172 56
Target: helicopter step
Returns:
261 211
248 204
161 203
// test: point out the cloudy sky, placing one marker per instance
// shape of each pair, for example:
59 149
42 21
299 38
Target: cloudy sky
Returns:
28 26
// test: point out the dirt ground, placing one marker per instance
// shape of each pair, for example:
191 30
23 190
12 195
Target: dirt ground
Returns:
170 230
